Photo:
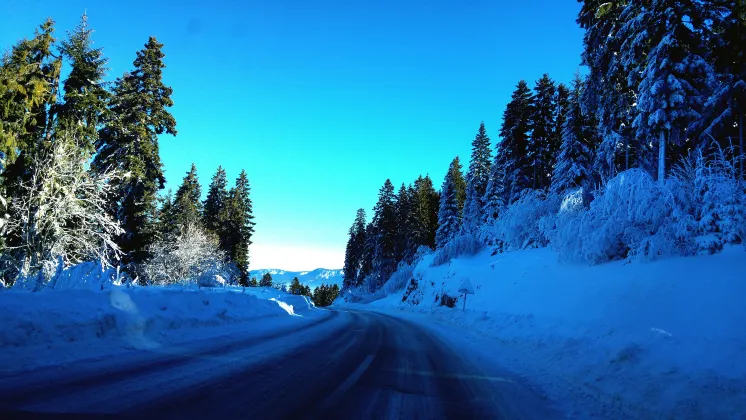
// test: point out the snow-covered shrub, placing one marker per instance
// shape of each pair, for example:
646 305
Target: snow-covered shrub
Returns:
399 279
518 227
721 216
465 244
88 275
629 217
699 208
184 258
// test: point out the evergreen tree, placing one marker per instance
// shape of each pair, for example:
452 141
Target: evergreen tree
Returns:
166 225
253 282
608 94
459 183
413 225
476 180
727 105
129 142
403 228
384 218
512 149
542 144
29 85
663 48
366 265
85 98
295 287
355 250
239 225
424 220
573 167
214 205
495 196
266 280
187 206
448 219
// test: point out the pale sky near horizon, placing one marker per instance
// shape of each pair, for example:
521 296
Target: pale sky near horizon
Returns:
322 101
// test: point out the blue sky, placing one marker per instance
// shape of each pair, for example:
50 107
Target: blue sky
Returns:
321 101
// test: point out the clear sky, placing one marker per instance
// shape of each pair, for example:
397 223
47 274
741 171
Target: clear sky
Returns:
322 100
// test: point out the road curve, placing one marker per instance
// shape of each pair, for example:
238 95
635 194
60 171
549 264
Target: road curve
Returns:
344 365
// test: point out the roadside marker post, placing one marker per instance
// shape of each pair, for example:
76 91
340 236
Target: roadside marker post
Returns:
466 289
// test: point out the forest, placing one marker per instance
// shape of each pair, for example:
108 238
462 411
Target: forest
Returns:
640 158
80 173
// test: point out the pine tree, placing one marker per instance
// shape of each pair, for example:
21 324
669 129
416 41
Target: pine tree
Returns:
86 98
459 184
663 48
425 205
366 265
448 218
542 144
476 180
239 225
512 149
295 287
29 85
727 105
165 223
266 280
404 206
187 206
495 195
355 250
574 160
215 202
129 142
608 94
253 282
384 218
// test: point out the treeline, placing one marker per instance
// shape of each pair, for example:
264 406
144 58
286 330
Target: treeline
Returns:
81 170
666 84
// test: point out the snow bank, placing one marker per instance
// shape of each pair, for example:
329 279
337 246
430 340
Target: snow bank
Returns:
642 340
54 317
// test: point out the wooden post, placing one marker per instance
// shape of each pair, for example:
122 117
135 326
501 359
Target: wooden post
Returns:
464 302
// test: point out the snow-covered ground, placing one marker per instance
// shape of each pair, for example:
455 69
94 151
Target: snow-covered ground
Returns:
618 340
58 325
313 278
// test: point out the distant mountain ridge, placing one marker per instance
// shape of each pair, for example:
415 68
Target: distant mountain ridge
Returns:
313 278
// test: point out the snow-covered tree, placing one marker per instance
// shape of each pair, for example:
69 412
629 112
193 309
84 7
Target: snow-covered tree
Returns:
608 95
448 218
664 49
726 106
494 196
188 256
574 159
60 212
476 180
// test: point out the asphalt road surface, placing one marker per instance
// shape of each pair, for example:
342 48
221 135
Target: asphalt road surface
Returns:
343 365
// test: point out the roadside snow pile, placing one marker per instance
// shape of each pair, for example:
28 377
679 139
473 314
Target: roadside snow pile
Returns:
643 340
53 317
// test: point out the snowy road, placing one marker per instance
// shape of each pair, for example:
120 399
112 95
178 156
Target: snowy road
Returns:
343 364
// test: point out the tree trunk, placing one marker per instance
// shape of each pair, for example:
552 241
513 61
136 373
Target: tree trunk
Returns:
740 145
662 157
626 153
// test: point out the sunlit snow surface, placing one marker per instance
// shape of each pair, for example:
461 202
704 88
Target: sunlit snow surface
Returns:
630 340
